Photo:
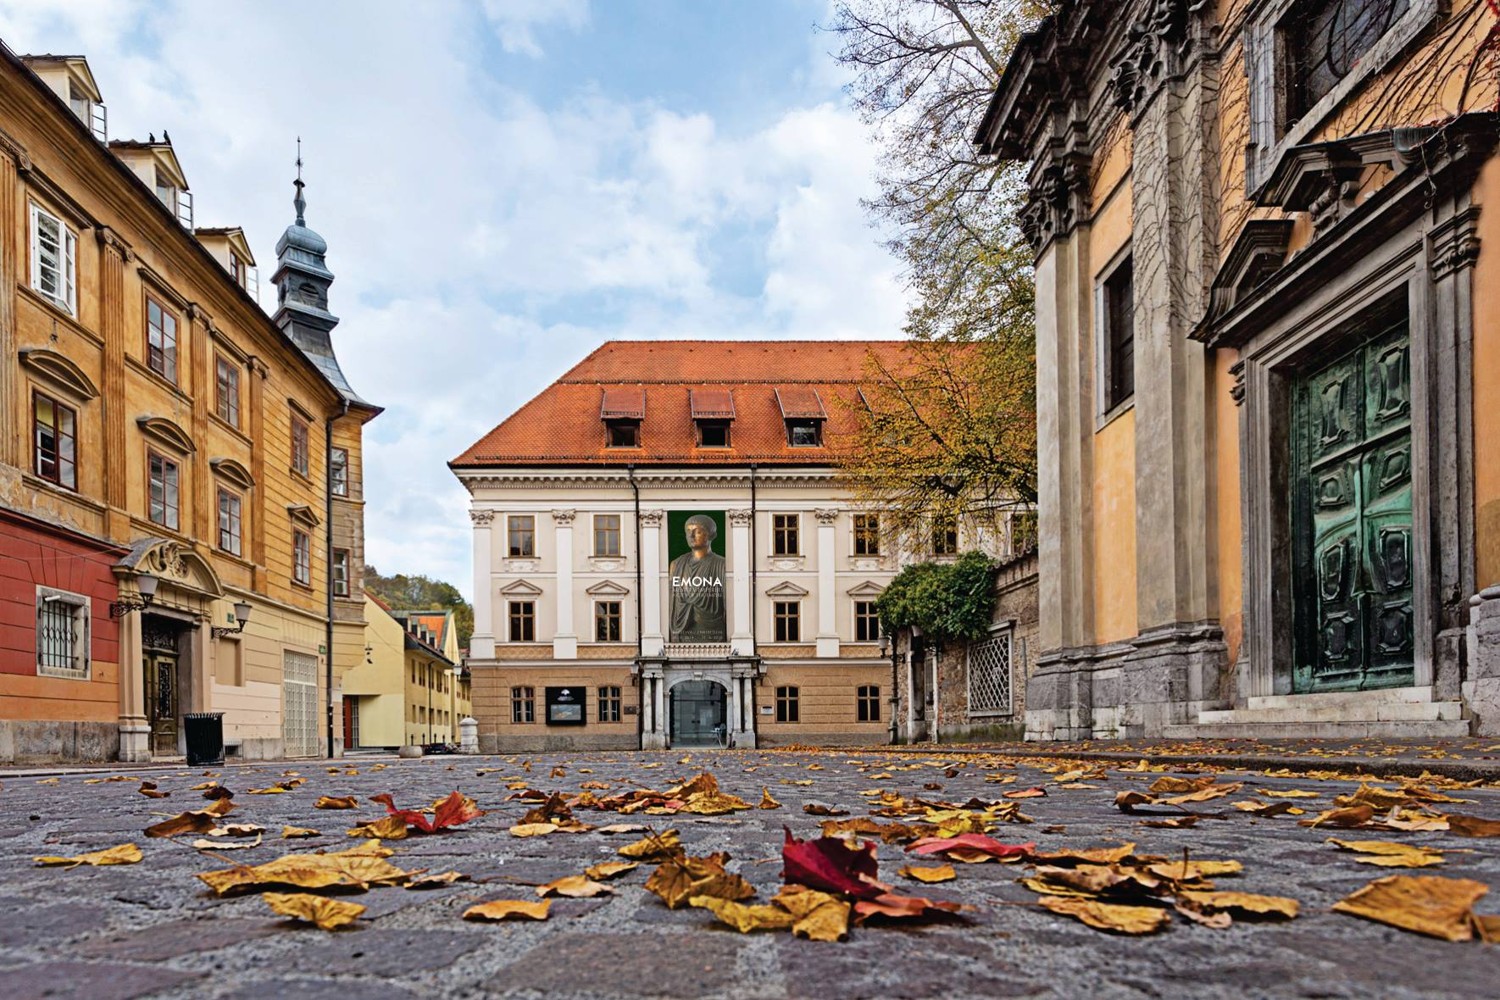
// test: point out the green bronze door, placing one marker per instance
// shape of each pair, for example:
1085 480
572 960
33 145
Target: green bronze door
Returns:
1351 519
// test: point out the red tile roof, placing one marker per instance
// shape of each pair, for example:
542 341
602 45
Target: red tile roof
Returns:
753 380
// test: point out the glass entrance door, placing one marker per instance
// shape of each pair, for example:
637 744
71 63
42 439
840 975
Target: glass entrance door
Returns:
697 712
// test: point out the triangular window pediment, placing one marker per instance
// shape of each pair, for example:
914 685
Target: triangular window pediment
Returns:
607 588
786 589
866 590
302 514
521 588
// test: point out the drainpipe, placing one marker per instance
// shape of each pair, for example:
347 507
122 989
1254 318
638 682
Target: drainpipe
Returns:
640 711
328 556
754 596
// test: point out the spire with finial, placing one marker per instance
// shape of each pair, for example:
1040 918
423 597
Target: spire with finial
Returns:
299 202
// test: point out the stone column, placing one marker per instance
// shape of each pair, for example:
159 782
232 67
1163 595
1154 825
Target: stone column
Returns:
13 223
135 730
828 630
741 637
652 639
114 253
482 642
564 640
653 729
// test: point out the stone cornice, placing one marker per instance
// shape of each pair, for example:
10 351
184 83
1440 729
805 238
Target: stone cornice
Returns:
615 479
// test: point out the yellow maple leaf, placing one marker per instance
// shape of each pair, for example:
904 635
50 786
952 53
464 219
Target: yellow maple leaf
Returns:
610 869
385 828
1389 854
766 802
358 867
1109 916
123 854
745 918
653 846
940 873
819 916
1424 904
327 914
575 886
507 909
1242 902
294 832
336 802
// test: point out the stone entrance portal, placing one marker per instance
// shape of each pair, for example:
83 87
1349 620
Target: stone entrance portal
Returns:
697 711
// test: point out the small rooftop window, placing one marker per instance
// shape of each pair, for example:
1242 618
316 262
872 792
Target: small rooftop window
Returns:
623 433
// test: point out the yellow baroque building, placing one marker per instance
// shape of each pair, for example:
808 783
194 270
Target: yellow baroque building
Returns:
181 524
1267 252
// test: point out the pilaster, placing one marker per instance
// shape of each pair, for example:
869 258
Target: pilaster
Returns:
564 639
135 730
114 254
741 637
12 265
828 634
652 638
482 642
200 367
257 423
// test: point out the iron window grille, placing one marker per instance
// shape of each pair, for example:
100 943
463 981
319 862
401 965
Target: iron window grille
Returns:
990 662
1323 40
62 634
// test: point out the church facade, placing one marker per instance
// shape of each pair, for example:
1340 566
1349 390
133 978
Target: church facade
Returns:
663 555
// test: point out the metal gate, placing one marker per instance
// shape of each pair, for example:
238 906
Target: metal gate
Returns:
299 712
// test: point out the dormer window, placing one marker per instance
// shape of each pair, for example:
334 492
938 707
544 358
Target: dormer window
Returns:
802 409
713 412
88 110
178 201
622 410
713 434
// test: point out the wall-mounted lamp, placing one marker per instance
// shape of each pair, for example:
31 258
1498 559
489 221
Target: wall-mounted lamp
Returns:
241 616
146 585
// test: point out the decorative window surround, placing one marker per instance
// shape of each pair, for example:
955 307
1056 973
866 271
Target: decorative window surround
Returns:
1265 67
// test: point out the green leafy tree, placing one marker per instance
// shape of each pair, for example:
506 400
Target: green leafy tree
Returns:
945 600
421 593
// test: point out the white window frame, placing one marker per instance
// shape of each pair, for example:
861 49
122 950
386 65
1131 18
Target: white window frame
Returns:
67 251
82 613
339 577
1265 62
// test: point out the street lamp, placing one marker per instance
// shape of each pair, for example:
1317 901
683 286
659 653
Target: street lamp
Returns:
241 616
145 584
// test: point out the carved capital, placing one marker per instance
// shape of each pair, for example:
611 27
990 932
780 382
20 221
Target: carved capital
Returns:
1455 243
1156 48
482 518
111 241
826 515
259 367
652 518
17 152
563 518
197 314
1057 201
738 518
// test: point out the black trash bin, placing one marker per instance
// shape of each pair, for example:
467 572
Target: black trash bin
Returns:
205 737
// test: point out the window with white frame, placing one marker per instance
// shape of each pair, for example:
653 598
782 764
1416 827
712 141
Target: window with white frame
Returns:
990 674
162 475
62 634
229 522
340 572
301 558
54 260
338 471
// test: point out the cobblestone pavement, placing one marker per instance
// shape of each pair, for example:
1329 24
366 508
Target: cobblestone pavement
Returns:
151 929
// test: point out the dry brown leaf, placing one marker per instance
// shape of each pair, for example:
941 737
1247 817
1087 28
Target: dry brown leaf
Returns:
1203 794
149 789
1169 784
1243 903
436 881
327 914
1192 871
294 832
123 854
508 909
1287 793
385 828
745 918
204 844
1473 826
823 809
195 821
1109 916
336 802
678 879
1389 854
1172 822
1089 856
818 916
940 873
358 867
617 828
575 886
767 802
1424 904
1265 808
1346 817
237 830
654 847
610 869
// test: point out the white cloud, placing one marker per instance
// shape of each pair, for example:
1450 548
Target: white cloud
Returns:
484 239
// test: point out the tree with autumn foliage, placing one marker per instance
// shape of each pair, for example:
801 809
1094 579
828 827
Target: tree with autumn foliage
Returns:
951 432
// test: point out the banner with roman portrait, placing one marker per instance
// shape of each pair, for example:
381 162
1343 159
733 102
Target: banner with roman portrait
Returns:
696 576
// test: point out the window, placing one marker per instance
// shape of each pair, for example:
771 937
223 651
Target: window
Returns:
804 433
79 101
788 615
166 191
522 621
338 472
607 621
340 572
300 451
784 540
990 674
867 534
944 536
162 476
161 341
521 535
609 704
229 522
227 390
1323 40
713 434
1118 312
867 703
606 534
623 433
62 634
786 704
54 260
302 558
55 435
238 269
866 622
522 704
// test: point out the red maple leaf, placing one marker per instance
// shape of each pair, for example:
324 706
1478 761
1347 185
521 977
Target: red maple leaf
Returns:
831 865
976 842
455 809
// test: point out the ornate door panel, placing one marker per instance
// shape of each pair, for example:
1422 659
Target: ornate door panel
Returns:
1351 512
159 640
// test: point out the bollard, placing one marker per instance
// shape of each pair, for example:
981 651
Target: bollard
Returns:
468 735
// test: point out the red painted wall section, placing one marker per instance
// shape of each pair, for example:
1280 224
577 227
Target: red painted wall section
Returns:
31 555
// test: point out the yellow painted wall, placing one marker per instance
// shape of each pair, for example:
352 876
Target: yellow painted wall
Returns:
1226 517
1114 530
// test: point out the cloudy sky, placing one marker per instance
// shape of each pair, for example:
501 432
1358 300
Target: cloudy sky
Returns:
504 185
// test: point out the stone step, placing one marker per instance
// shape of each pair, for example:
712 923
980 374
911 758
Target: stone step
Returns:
1374 711
1346 699
1410 730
